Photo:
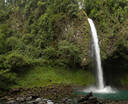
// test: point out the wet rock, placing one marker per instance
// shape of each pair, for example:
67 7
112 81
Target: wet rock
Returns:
69 100
93 99
49 102
29 98
85 102
89 99
9 99
34 96
31 102
20 99
100 102
89 95
16 90
41 103
11 102
82 99
44 100
38 100
64 100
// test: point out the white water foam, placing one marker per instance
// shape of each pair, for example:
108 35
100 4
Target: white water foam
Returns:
106 89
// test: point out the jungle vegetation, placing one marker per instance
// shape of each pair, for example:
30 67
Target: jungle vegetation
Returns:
36 33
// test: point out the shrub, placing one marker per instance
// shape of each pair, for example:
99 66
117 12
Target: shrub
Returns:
2 43
12 43
16 61
32 51
27 38
49 52
6 80
69 53
3 65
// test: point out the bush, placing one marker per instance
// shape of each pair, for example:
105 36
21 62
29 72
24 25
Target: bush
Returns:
27 38
50 53
16 61
3 65
12 43
7 79
69 7
2 43
69 53
32 52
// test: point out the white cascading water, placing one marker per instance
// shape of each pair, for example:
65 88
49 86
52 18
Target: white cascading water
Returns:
96 52
101 88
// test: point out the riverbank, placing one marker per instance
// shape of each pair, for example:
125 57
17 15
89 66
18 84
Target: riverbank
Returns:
55 94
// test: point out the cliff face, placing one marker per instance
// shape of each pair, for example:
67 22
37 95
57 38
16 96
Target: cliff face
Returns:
44 32
77 31
58 32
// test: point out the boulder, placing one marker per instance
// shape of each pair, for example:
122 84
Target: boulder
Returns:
29 98
38 100
20 99
31 102
11 102
44 100
49 102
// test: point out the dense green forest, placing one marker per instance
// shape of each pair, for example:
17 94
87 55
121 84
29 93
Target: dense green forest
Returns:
55 33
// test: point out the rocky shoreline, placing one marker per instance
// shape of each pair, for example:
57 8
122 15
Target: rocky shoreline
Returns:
56 94
59 94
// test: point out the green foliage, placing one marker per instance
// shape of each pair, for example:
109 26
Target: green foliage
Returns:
49 53
52 32
2 43
3 65
110 17
27 38
7 79
69 53
69 7
46 28
3 16
12 43
32 52
17 62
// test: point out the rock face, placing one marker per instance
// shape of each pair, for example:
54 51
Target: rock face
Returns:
76 31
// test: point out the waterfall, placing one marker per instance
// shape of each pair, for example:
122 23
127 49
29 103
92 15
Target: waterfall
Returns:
96 52
100 88
80 4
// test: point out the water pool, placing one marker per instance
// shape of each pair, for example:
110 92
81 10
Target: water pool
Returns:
119 95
